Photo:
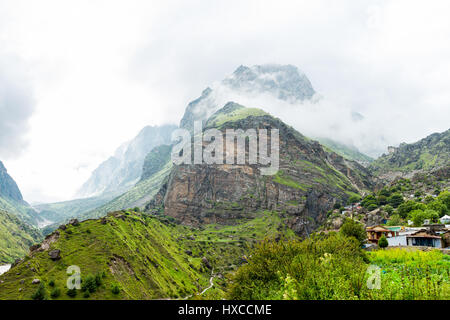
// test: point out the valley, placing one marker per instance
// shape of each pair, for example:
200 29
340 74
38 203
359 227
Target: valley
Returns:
146 228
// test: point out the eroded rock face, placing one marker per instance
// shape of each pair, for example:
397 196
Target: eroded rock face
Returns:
307 185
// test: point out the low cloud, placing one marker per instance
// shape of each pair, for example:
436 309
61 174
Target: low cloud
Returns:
16 107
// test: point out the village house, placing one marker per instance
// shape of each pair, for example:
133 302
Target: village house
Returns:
374 233
425 238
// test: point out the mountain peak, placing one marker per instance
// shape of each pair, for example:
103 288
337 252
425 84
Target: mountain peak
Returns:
283 82
286 82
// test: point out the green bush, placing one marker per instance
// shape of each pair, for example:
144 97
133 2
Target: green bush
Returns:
352 228
56 292
115 289
72 293
382 242
51 283
40 293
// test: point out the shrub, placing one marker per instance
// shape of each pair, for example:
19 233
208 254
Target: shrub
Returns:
89 284
382 242
72 293
56 292
352 228
51 283
395 200
115 289
40 293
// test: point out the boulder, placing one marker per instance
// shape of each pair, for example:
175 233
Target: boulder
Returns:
36 281
74 222
206 263
55 254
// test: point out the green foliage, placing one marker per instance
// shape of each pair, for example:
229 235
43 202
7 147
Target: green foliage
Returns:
333 267
395 200
353 199
15 237
320 268
389 209
418 216
352 228
72 292
115 289
51 283
395 220
40 293
56 292
383 242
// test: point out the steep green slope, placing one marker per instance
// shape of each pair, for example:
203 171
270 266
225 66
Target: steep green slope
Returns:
428 154
350 153
147 257
15 237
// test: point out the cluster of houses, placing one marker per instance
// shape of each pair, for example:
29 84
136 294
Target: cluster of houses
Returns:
430 235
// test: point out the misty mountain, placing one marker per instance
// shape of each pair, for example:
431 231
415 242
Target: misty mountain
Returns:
11 200
123 170
348 152
283 82
426 155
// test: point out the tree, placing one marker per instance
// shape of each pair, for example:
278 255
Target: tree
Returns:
352 228
40 293
382 242
395 200
395 220
353 199
388 208
382 200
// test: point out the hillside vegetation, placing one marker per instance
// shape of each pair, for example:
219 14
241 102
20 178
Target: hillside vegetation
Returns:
15 237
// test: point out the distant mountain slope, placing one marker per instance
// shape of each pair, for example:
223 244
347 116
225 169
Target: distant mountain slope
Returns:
347 152
11 199
15 237
428 154
123 170
284 82
63 211
156 169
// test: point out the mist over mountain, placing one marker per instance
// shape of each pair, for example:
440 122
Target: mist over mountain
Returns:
287 93
283 82
124 169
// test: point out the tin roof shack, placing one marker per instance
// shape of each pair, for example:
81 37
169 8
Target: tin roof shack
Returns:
425 238
374 233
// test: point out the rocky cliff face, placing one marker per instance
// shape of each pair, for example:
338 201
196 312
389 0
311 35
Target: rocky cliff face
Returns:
309 182
283 82
8 187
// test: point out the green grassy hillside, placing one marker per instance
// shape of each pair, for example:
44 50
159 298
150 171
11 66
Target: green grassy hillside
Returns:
350 153
146 257
15 237
428 154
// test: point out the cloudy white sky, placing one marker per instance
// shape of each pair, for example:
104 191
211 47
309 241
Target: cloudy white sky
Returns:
78 78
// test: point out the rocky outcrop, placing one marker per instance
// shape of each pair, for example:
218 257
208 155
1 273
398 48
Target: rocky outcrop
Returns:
8 187
309 182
